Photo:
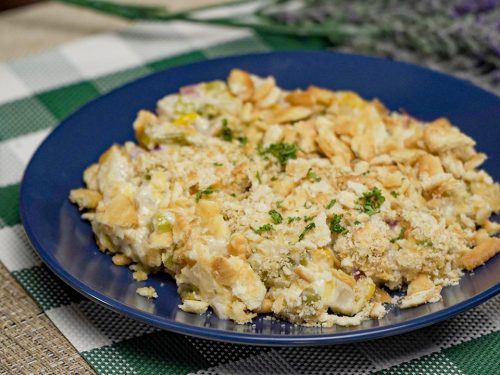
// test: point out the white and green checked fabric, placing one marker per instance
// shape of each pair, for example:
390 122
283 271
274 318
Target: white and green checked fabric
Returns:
36 93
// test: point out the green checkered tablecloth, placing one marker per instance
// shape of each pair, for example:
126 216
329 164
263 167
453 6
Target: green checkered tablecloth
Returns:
36 93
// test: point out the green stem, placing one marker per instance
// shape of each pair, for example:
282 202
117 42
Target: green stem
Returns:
263 24
140 12
131 12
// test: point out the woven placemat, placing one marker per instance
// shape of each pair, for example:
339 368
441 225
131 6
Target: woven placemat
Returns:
29 341
40 91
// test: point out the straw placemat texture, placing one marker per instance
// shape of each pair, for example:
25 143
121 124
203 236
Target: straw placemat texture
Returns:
40 91
29 341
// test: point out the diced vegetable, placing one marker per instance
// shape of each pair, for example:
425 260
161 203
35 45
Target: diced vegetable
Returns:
160 223
186 118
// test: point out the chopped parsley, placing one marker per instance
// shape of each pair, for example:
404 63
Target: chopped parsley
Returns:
426 243
276 216
335 226
331 204
263 228
306 205
218 164
291 219
279 203
308 228
365 173
357 222
227 132
400 235
209 190
312 175
370 202
243 140
274 178
257 176
394 194
308 218
281 151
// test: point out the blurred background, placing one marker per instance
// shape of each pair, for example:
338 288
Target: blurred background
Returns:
461 37
30 26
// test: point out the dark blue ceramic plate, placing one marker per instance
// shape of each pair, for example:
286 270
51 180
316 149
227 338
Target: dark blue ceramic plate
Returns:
67 246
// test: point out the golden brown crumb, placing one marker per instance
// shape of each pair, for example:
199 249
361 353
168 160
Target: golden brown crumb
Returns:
147 291
85 198
486 250
121 260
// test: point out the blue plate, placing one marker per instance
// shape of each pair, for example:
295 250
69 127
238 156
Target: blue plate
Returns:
66 244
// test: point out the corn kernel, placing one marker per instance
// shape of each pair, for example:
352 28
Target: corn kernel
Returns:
186 118
323 254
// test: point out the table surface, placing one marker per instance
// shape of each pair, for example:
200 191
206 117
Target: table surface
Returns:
48 24
29 342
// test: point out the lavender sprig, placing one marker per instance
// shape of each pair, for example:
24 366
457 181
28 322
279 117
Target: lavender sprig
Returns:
458 36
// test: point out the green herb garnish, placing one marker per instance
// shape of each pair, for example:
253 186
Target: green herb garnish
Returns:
257 176
427 243
356 222
400 235
279 203
308 218
218 164
331 204
243 140
335 226
394 194
291 219
263 228
276 216
281 151
209 190
309 296
312 175
370 202
308 228
227 132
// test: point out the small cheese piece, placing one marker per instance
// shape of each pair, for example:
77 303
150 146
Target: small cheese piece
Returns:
147 291
192 306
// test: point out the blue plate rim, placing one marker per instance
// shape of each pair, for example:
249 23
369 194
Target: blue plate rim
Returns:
241 337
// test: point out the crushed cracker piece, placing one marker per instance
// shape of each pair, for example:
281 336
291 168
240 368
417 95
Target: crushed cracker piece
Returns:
147 291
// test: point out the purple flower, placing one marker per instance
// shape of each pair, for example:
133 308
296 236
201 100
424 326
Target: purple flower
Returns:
476 6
